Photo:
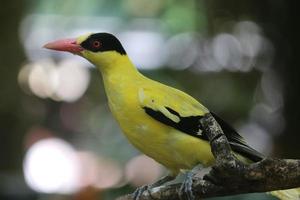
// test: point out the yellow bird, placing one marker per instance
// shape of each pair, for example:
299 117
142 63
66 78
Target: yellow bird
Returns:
159 120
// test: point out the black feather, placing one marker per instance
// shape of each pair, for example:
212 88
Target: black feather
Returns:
237 142
191 125
107 42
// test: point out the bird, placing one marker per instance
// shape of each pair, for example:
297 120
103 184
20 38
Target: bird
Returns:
160 121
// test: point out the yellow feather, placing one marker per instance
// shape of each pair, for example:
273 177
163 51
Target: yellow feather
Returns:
128 92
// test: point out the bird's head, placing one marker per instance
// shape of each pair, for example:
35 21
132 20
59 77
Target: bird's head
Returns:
100 49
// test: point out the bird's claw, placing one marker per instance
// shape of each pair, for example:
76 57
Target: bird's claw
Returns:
139 191
186 191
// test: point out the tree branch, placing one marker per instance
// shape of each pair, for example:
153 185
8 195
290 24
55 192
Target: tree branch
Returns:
230 176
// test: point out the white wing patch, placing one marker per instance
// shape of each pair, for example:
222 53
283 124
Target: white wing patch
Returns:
199 133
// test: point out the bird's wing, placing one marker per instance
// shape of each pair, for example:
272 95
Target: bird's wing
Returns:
182 112
173 108
237 142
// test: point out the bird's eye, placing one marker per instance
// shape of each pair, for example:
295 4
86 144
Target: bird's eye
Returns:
96 44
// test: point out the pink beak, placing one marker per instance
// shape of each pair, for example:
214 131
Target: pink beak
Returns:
69 45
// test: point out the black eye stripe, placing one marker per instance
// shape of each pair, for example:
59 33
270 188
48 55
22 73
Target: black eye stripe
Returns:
89 45
106 42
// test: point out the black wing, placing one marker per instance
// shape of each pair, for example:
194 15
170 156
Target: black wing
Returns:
191 125
237 142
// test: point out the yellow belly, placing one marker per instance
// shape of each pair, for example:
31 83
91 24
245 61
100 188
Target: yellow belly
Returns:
168 146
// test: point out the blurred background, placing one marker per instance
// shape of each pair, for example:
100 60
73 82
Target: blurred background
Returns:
58 138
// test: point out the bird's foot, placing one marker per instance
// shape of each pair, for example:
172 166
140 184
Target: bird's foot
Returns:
186 191
139 191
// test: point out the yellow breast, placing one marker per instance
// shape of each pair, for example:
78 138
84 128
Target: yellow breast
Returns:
170 147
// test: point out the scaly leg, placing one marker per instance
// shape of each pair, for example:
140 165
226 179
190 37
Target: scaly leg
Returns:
139 191
186 187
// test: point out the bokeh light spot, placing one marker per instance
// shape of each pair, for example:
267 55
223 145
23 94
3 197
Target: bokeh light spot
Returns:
51 166
142 170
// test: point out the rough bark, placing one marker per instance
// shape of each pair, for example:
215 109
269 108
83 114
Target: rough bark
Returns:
229 176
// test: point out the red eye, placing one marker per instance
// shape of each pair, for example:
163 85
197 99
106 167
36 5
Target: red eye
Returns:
96 44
